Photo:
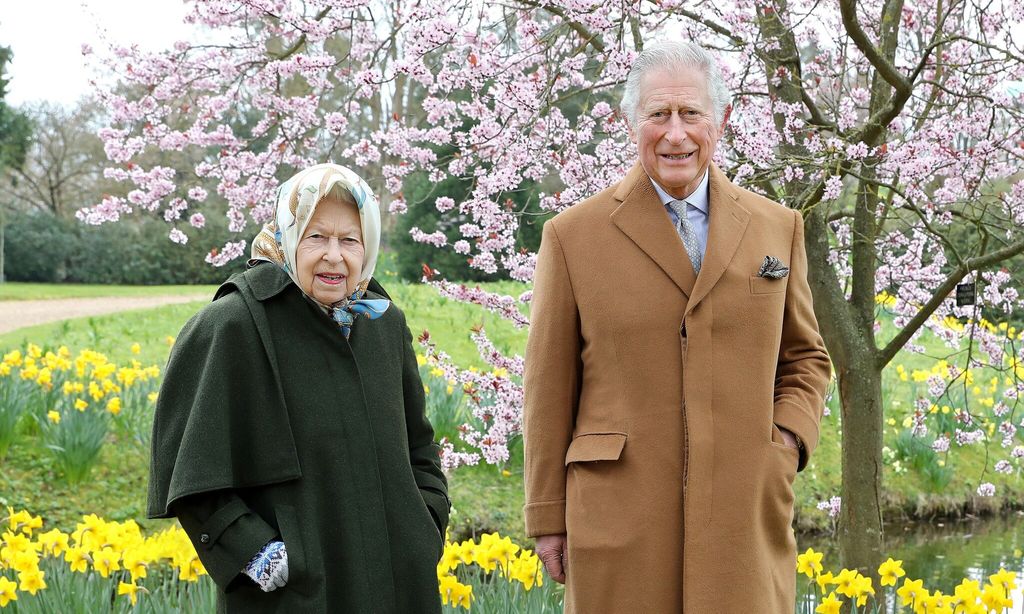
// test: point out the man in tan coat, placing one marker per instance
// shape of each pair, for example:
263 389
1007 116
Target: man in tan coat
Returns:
675 377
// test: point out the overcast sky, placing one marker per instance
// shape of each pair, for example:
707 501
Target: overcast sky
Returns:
46 37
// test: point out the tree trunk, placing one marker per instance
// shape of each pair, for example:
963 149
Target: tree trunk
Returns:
860 523
849 337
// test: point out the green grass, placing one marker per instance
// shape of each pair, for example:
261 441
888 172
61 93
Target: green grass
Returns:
20 291
485 498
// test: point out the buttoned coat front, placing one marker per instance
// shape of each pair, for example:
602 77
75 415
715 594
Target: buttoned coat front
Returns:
653 397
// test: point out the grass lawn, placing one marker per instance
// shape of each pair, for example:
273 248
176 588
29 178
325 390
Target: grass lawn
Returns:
485 498
21 291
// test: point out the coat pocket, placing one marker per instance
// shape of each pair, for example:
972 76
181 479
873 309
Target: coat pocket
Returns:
766 285
595 447
303 567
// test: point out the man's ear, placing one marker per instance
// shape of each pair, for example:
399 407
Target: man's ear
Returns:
725 118
631 131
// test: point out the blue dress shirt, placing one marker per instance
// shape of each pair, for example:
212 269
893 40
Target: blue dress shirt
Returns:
696 210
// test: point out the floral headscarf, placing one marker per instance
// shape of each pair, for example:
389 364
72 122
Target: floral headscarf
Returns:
297 199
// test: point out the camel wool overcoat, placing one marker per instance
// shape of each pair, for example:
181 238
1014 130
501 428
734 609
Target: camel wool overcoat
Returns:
654 397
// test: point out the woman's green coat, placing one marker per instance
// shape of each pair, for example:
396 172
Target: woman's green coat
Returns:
270 425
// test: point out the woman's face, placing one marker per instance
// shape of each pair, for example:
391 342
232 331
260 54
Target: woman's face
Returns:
329 257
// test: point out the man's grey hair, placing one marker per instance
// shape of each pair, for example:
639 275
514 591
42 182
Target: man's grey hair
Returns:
672 55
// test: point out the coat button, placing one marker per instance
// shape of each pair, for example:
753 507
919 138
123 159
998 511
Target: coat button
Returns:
204 538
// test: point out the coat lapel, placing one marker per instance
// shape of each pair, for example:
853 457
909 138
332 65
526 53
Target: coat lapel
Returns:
643 218
726 226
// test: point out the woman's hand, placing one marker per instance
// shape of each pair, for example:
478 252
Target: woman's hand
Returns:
269 568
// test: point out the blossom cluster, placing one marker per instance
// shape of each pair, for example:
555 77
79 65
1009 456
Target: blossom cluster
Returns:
495 399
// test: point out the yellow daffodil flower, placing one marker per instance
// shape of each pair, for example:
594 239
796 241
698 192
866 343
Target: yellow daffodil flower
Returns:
824 580
890 572
77 559
911 591
809 563
131 589
106 561
31 581
846 582
8 592
830 605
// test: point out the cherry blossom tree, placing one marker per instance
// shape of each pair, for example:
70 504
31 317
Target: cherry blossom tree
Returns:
894 126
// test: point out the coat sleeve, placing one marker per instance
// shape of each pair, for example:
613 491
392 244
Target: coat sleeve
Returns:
803 369
225 533
424 453
551 388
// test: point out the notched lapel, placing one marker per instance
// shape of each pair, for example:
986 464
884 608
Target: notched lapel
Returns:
642 217
726 225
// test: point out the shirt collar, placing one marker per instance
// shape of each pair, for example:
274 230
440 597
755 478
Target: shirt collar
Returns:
698 198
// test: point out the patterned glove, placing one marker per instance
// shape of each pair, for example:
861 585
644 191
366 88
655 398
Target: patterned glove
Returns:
269 568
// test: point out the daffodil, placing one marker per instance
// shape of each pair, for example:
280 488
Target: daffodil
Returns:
8 592
131 589
114 405
911 591
830 605
106 561
53 416
136 348
77 559
824 580
54 542
809 563
454 592
891 571
135 564
966 594
862 588
1007 579
994 597
31 581
846 582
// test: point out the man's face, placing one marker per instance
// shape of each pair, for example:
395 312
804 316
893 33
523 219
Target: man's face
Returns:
675 130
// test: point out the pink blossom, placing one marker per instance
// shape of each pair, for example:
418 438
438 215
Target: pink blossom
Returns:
833 186
832 506
178 236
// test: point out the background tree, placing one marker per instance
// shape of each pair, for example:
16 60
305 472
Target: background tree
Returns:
15 131
894 126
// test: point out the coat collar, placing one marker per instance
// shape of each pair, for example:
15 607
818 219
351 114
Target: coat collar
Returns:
643 218
264 279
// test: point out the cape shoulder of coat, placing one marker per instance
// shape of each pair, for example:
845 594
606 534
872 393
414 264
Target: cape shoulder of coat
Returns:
221 421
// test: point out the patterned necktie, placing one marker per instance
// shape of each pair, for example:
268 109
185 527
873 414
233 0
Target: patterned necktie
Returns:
687 234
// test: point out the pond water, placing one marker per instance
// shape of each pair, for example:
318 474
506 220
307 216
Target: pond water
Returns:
942 553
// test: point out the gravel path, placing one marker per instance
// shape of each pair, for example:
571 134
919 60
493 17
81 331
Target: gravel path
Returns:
18 314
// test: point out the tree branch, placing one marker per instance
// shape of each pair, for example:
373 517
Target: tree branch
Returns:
848 9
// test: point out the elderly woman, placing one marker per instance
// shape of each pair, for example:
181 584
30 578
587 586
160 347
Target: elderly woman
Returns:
290 438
